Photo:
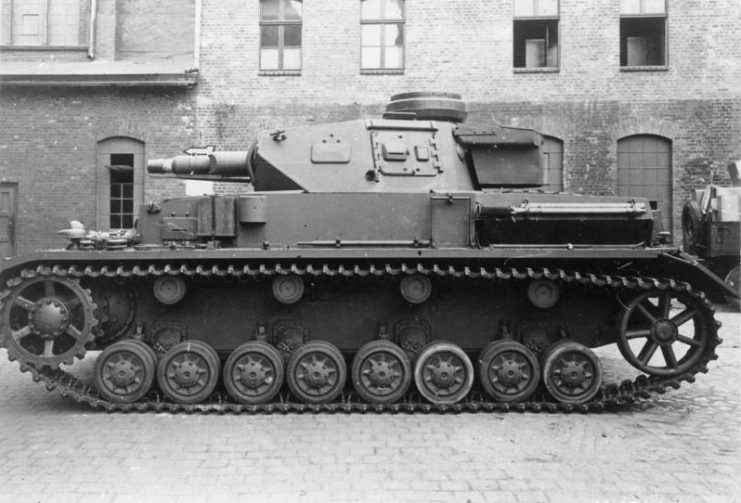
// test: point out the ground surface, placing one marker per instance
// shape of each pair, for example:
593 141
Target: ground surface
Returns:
681 446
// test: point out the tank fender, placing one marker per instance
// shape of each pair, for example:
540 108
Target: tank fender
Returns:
685 267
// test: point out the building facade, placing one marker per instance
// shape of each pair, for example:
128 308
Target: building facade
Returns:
633 96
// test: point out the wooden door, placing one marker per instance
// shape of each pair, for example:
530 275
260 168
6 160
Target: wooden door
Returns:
645 169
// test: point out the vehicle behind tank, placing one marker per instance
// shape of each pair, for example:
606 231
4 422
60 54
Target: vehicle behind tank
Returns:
405 263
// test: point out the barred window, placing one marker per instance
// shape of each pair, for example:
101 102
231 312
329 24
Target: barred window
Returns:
382 34
280 34
535 34
40 23
642 33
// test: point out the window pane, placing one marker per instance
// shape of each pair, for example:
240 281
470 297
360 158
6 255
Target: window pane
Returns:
128 206
654 6
371 57
371 35
547 7
630 6
269 36
292 59
269 11
293 9
394 35
115 206
115 190
393 9
370 9
269 59
534 53
128 191
524 7
292 35
115 222
394 57
127 222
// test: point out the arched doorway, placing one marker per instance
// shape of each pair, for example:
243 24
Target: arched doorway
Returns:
645 169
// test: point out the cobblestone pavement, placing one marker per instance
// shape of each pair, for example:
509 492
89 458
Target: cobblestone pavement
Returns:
681 446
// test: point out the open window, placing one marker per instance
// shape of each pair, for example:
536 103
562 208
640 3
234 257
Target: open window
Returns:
535 34
642 33
120 182
382 35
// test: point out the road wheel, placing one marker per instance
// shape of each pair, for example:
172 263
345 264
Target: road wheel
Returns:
124 371
253 373
443 373
381 372
572 373
509 371
188 372
316 372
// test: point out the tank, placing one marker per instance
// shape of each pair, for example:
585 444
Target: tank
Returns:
404 263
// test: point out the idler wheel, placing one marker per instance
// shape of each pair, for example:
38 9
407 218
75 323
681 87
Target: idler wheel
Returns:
443 373
169 290
288 289
381 372
316 372
124 371
415 288
188 372
662 332
253 373
47 321
572 373
509 371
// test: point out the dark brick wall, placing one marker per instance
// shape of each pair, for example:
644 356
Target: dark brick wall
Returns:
48 144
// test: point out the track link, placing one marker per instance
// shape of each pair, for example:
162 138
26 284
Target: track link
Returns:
611 395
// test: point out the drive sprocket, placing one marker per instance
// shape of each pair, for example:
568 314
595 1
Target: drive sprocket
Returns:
47 321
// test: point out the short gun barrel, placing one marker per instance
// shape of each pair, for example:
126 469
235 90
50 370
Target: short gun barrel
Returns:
226 164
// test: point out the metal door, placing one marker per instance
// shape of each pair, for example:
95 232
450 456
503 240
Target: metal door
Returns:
645 169
553 153
7 219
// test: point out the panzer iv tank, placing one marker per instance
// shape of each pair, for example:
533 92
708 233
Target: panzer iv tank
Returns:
408 263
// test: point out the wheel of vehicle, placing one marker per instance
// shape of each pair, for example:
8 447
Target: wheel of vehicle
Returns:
443 373
253 373
124 371
288 289
415 288
47 321
509 371
316 372
662 332
188 372
692 226
572 373
381 372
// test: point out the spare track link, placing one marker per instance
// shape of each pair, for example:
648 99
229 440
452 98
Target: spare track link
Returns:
610 395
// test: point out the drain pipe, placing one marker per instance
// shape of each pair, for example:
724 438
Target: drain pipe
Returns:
91 36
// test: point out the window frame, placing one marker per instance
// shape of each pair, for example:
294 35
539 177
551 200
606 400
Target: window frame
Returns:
537 18
281 23
642 15
383 22
7 23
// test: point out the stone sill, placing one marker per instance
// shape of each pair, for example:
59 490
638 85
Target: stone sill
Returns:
43 48
647 68
279 73
544 69
381 71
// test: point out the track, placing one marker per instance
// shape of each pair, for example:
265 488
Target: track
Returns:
611 395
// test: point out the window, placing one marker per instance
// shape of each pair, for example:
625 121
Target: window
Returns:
120 182
45 23
642 33
280 35
382 35
535 34
122 191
